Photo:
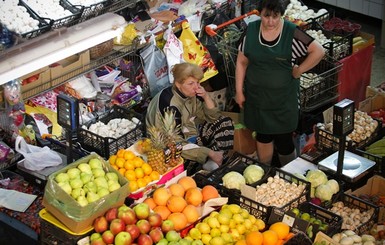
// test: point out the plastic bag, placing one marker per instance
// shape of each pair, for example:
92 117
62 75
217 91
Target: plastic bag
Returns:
195 52
35 157
173 50
155 67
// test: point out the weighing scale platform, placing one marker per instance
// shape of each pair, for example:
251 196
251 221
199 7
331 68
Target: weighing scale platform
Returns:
354 166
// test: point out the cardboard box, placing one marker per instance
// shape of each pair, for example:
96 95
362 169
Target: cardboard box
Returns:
39 85
67 210
375 100
374 186
244 141
69 65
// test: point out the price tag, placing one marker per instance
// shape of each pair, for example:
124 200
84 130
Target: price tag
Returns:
288 220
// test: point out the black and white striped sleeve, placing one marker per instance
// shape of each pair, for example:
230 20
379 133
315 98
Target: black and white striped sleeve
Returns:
300 44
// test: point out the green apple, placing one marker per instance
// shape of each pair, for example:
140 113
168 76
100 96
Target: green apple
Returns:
82 200
92 197
75 193
98 172
95 163
162 241
73 173
84 167
66 187
103 192
114 186
112 176
85 177
90 187
101 182
76 183
62 177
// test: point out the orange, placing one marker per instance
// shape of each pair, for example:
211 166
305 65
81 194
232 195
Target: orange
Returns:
122 171
139 173
128 155
137 161
150 202
176 189
209 192
270 237
120 162
176 204
146 168
120 153
163 211
241 242
112 159
161 195
141 182
147 179
194 196
115 167
254 238
179 220
282 229
130 174
129 165
133 185
187 182
155 175
191 213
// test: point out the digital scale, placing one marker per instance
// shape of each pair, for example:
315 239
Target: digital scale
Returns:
344 164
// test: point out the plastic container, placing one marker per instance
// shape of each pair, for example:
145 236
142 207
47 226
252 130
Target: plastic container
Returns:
10 180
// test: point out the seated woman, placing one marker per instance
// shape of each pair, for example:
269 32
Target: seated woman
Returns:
201 123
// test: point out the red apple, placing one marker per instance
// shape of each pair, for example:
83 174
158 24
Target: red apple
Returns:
123 238
144 239
116 226
156 234
142 210
133 230
167 225
111 214
124 207
100 224
108 237
98 241
155 219
144 226
128 216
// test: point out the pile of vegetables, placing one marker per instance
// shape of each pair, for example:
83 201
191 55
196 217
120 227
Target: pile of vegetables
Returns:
377 148
349 237
251 174
295 10
114 128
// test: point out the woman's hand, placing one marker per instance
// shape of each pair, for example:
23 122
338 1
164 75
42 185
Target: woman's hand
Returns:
296 72
216 156
240 99
201 92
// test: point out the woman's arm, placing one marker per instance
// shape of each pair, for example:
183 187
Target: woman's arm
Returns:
240 73
315 54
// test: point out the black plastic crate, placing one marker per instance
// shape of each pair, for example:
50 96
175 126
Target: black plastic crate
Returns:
321 89
107 146
340 45
362 205
93 10
51 233
64 21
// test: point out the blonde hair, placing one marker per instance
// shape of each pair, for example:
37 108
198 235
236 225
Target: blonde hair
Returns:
183 71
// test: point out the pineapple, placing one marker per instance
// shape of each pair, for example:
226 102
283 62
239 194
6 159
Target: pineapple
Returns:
171 130
155 156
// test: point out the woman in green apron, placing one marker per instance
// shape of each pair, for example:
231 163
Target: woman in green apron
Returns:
267 79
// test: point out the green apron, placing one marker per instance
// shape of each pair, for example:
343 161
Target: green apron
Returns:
271 92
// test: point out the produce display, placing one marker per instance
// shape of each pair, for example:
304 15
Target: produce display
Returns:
251 174
316 224
349 237
16 18
298 13
88 182
319 36
85 2
114 128
309 79
377 148
52 11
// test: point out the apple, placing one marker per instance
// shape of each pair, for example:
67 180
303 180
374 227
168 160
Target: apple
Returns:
90 187
142 210
156 234
66 187
95 236
167 225
114 186
85 177
62 177
100 224
112 176
144 239
116 226
111 214
172 236
98 172
73 173
95 163
108 237
92 197
155 219
102 192
133 230
75 193
76 183
123 238
123 208
82 200
98 241
162 241
84 167
144 226
128 216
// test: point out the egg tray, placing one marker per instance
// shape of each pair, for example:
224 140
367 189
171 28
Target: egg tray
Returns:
64 21
107 146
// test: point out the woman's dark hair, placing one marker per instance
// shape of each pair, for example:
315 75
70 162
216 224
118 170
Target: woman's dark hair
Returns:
272 6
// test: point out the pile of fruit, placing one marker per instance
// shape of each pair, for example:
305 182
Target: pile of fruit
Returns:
180 202
315 224
88 182
134 168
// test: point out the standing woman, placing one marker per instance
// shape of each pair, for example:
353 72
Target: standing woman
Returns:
267 79
210 134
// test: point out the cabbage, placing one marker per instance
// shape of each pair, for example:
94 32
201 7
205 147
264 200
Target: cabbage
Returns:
316 177
233 180
253 173
334 186
324 192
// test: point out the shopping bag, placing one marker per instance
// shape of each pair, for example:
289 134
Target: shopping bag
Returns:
173 49
155 68
35 157
195 52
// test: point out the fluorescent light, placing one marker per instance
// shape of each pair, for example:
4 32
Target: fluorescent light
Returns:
57 45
